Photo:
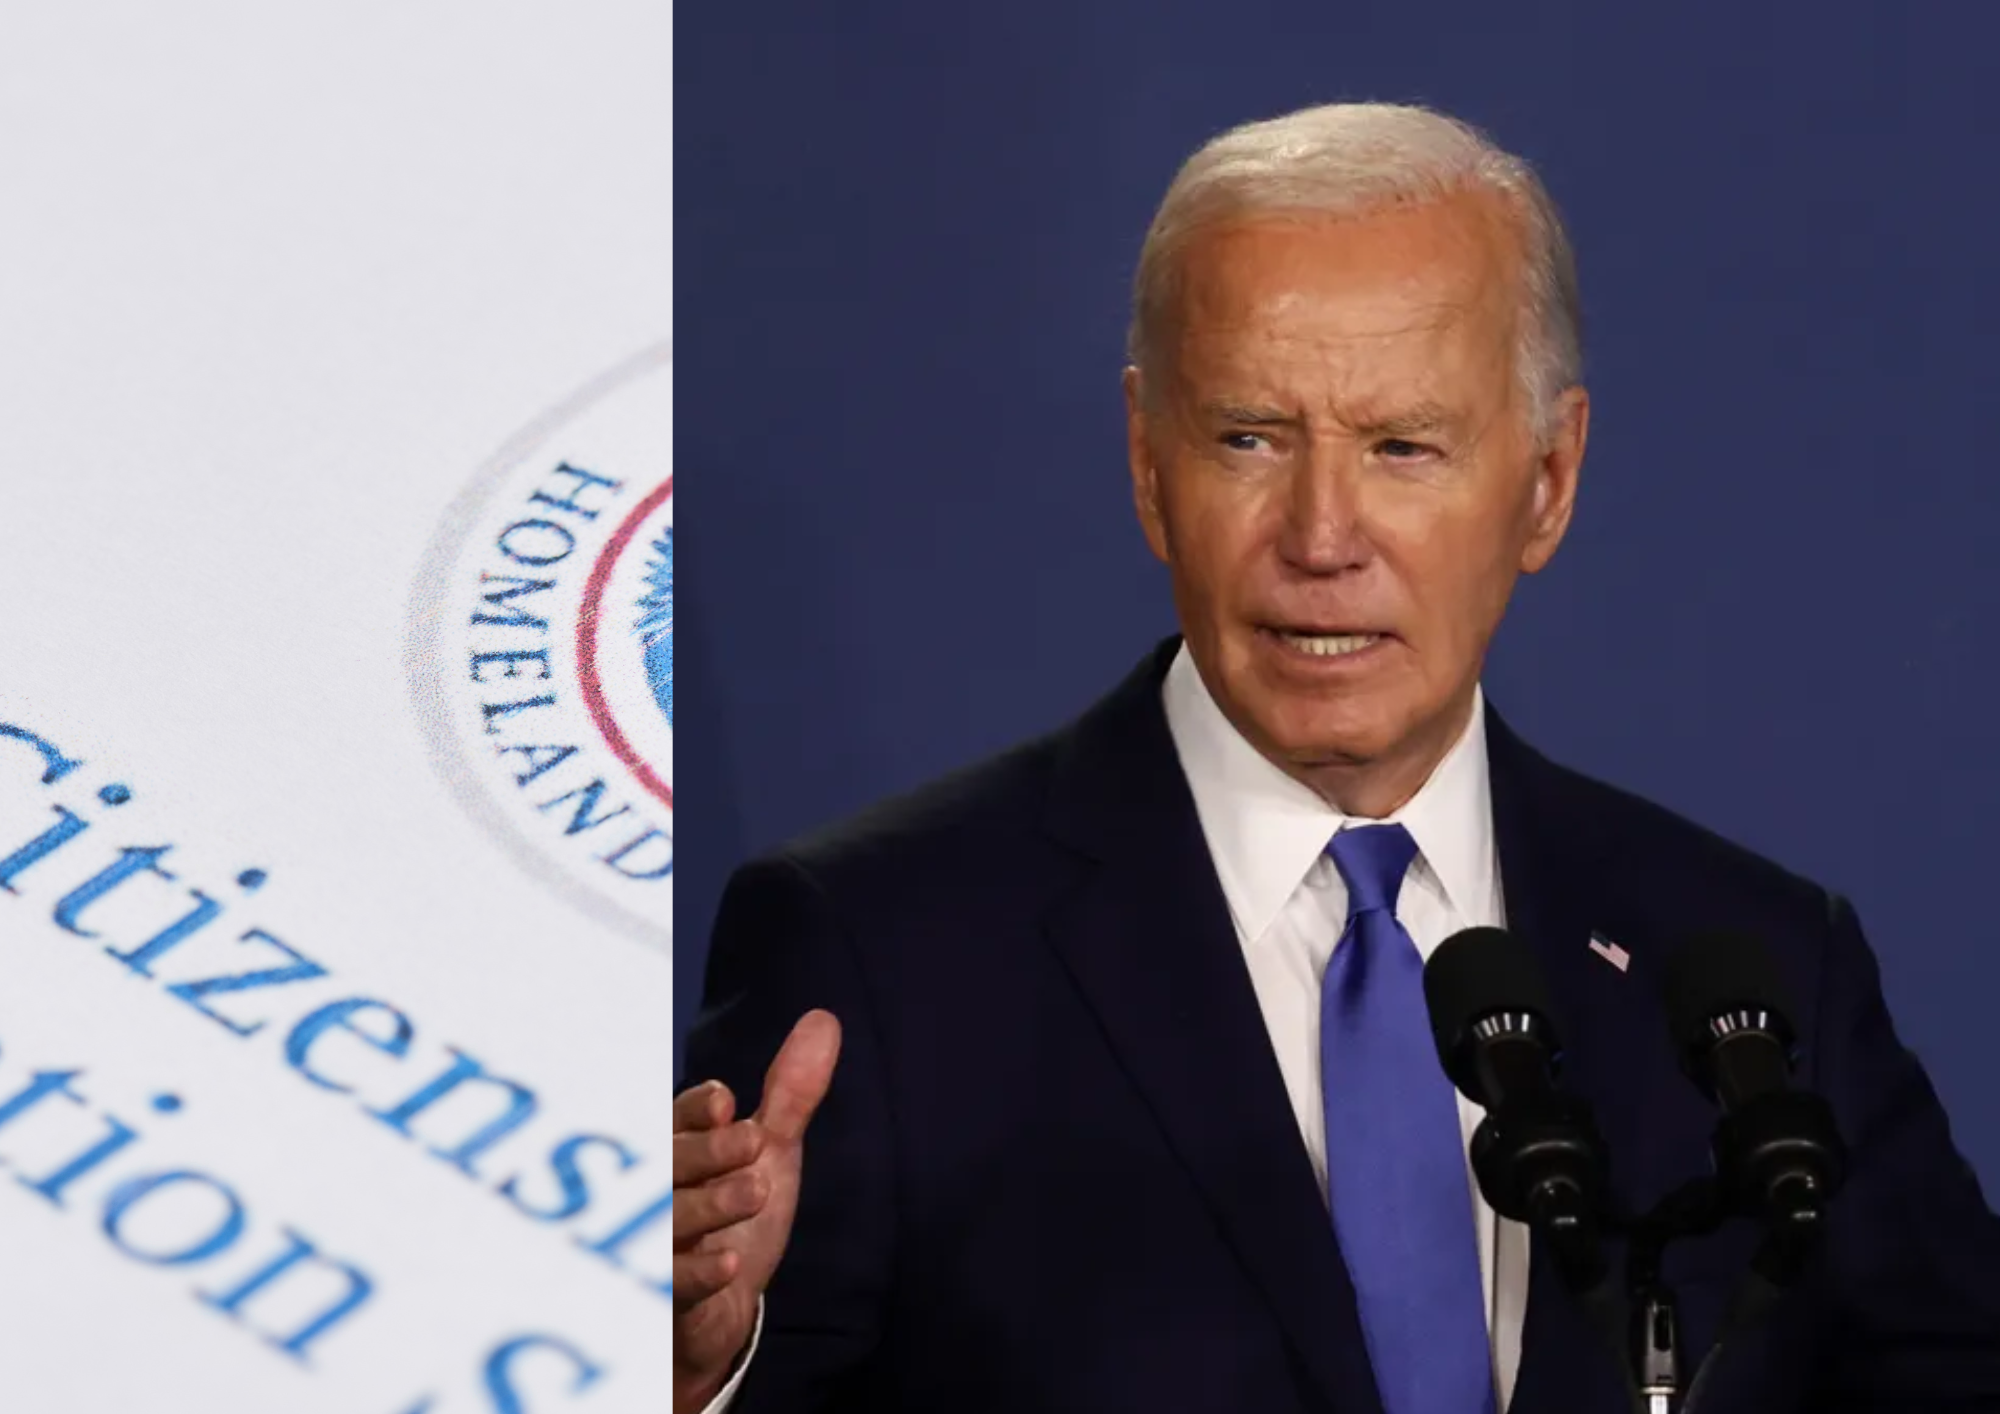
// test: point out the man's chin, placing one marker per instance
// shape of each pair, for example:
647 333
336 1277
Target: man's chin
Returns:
1335 745
1321 726
1335 754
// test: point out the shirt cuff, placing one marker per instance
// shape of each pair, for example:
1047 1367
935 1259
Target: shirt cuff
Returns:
727 1394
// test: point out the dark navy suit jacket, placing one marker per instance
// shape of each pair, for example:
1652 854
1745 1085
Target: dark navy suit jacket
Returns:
1057 1169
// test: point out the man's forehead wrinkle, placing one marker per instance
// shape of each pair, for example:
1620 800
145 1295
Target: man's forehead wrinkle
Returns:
1473 264
1296 369
1254 349
1301 320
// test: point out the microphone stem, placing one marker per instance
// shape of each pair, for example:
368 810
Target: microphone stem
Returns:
1561 1214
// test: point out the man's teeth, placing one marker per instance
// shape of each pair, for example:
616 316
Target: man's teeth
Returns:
1326 645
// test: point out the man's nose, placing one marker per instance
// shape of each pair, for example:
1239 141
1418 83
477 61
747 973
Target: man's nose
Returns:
1323 530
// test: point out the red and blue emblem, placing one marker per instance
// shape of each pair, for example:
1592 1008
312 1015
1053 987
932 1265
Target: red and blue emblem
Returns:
543 637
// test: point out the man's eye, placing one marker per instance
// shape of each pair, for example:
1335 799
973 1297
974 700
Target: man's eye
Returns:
1401 449
1243 441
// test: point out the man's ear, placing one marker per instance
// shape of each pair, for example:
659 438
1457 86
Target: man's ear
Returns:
1139 456
1557 469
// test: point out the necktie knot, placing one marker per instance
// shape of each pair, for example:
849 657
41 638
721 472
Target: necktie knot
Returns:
1372 860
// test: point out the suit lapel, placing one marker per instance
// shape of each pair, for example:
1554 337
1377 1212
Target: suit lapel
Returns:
1558 872
1150 945
1551 873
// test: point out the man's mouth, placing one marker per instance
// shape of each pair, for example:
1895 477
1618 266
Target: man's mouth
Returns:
1325 645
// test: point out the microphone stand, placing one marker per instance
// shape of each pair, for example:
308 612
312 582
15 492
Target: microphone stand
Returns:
1640 1324
1655 1336
1542 1167
1791 1238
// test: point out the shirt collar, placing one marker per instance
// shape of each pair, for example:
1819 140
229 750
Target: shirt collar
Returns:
1266 831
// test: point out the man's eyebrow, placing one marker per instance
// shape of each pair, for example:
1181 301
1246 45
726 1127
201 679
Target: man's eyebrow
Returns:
1425 417
1245 414
1414 421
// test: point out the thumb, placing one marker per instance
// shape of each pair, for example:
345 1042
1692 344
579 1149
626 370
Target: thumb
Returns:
797 1080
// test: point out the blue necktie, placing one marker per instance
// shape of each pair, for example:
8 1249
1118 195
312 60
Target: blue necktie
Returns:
1395 1166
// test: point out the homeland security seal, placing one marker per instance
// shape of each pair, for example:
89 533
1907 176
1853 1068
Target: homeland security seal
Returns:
542 648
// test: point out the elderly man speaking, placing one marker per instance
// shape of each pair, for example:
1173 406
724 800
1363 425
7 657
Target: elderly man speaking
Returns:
1097 1076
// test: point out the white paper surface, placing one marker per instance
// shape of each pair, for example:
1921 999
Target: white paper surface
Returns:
293 300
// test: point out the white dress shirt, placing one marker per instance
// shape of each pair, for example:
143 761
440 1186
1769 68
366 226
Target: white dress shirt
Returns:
1268 835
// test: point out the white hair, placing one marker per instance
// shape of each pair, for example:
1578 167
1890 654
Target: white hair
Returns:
1347 159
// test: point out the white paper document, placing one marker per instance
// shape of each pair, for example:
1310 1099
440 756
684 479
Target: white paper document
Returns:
336 702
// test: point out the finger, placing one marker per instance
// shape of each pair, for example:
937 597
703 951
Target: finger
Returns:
798 1078
700 1155
699 1275
708 1105
714 1206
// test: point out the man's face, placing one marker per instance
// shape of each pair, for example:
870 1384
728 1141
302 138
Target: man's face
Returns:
1335 460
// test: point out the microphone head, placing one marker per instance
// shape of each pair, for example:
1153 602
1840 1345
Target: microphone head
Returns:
1719 973
1472 975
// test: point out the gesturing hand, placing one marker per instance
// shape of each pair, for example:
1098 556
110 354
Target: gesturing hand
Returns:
736 1189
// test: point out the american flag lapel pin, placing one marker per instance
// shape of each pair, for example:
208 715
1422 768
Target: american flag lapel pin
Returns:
1610 951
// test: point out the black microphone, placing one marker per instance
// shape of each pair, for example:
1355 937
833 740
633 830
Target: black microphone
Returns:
1537 1154
1778 1154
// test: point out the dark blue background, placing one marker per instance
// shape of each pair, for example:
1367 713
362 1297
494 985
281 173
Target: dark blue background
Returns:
904 239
